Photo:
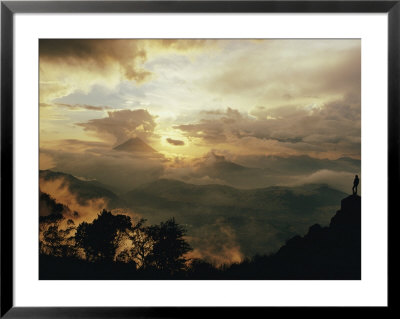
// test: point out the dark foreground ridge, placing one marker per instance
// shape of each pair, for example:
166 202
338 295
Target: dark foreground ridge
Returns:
324 253
332 252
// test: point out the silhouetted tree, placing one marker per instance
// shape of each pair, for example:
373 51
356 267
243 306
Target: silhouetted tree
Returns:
137 245
125 256
101 238
56 236
142 243
169 246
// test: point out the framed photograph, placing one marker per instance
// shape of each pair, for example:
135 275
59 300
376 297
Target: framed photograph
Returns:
163 155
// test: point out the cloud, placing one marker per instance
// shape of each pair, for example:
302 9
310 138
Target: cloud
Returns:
216 127
48 206
50 90
175 142
74 146
122 172
82 106
275 90
334 127
184 44
57 197
257 171
274 71
96 54
59 190
336 179
122 125
217 244
72 65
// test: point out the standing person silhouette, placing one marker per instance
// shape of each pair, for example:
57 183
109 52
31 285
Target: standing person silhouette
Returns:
355 184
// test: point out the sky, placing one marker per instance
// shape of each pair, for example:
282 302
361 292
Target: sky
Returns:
242 101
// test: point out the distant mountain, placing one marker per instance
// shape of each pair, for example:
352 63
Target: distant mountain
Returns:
302 164
260 220
257 171
251 171
173 191
134 145
84 190
231 173
332 252
252 220
227 166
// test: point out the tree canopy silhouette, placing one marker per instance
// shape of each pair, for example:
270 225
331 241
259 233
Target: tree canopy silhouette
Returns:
142 244
136 251
54 239
169 246
101 238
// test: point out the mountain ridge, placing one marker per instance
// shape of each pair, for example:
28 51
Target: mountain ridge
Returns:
270 214
332 252
83 190
133 145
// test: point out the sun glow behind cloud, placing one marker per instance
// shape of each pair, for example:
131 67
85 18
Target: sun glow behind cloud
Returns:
175 81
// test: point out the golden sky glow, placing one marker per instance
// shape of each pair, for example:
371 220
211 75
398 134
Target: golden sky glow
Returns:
187 98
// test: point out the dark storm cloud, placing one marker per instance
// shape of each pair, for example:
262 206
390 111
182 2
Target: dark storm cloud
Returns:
122 125
96 54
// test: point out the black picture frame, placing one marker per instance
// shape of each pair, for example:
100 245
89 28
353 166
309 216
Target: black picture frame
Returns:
9 8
